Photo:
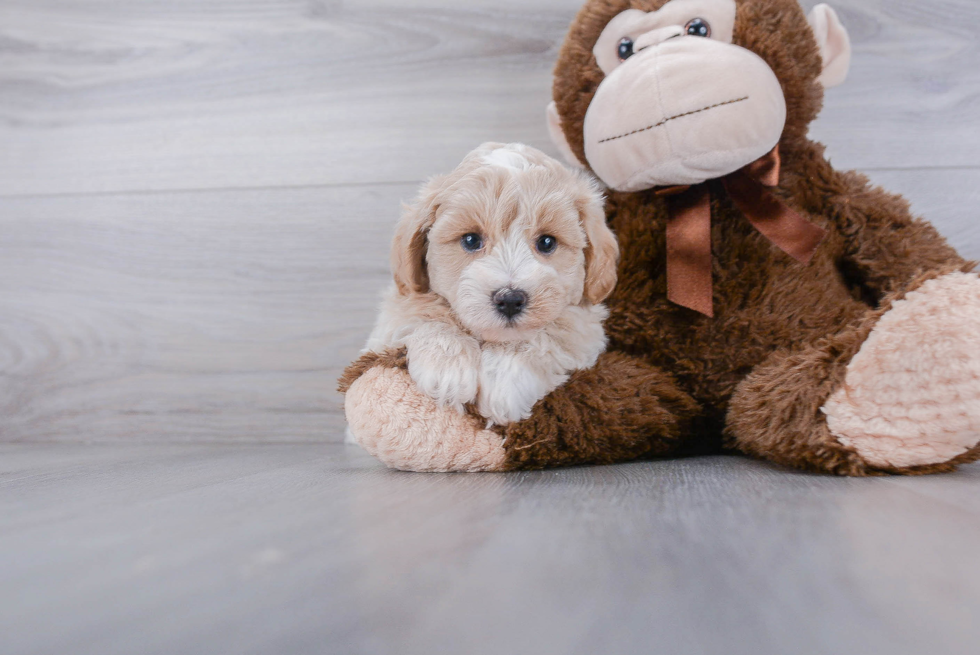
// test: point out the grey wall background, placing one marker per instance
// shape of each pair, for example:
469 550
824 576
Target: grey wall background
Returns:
196 196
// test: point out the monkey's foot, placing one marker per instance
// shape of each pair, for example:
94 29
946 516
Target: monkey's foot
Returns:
911 396
407 430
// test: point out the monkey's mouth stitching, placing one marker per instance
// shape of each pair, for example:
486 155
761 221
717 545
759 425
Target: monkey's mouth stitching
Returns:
672 118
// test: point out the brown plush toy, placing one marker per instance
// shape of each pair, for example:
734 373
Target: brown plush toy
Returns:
766 303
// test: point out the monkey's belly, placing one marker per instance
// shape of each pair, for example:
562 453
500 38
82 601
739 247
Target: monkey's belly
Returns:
776 304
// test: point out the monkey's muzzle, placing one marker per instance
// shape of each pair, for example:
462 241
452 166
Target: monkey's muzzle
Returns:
683 112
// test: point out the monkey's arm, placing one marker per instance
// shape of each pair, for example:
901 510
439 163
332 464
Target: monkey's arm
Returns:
887 251
620 410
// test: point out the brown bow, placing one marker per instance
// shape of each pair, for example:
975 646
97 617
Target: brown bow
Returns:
689 229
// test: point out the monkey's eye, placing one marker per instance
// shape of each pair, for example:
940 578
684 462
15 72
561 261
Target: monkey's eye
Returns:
625 48
547 244
472 242
698 27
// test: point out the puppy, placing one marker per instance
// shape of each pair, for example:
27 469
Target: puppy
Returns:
500 268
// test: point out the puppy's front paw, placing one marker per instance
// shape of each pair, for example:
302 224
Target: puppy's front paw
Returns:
502 406
510 385
445 369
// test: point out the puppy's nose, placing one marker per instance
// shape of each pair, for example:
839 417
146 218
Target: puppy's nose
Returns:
510 302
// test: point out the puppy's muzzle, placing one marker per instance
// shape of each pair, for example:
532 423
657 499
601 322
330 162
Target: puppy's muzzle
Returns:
510 302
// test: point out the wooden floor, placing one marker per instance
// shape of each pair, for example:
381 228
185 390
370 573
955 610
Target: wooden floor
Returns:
196 200
315 549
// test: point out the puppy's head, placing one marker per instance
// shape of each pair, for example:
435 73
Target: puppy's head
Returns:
510 238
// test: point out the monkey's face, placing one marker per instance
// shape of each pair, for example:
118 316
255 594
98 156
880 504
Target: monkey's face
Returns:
680 103
672 96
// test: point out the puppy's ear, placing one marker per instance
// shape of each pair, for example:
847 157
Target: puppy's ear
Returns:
411 239
602 251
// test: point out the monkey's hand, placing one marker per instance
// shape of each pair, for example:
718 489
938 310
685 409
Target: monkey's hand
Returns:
620 410
444 362
404 428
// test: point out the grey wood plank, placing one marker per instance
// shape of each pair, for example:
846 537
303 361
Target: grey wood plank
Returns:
219 315
110 96
318 549
912 96
126 96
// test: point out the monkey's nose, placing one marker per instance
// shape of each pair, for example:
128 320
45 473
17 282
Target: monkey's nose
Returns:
510 302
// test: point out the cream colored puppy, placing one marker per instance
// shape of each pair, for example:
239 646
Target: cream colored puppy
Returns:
500 268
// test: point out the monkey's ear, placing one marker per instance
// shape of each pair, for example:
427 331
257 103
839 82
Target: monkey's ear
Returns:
411 239
835 45
558 136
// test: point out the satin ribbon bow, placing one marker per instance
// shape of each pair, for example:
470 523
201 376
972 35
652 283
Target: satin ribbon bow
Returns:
689 229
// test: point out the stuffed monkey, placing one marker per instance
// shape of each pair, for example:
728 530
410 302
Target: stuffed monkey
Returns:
766 304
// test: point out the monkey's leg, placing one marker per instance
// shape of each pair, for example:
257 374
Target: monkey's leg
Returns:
620 410
899 392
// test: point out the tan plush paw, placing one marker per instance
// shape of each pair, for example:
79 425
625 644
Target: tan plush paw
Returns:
911 396
407 430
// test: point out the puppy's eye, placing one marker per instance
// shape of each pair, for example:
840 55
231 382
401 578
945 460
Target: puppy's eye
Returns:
547 244
472 242
698 27
625 49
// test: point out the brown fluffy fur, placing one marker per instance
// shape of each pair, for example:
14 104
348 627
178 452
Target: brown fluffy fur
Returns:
618 411
754 378
367 361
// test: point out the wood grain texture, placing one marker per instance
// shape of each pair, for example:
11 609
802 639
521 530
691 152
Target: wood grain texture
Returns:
110 96
188 316
137 96
318 549
911 100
